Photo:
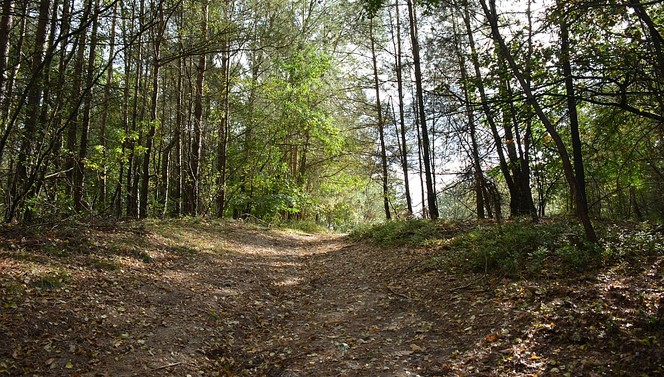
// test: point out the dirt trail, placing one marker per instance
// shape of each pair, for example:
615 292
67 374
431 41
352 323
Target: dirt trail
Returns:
197 299
187 300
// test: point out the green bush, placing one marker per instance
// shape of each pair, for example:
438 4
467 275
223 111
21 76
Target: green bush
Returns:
516 248
627 240
397 233
520 248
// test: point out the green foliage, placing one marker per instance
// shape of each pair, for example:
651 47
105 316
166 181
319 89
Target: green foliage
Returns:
516 248
398 233
627 241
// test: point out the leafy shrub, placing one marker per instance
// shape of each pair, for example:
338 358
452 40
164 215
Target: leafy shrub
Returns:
520 248
515 248
397 233
626 240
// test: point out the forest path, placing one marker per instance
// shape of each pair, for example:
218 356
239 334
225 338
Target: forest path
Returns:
192 298
257 302
178 298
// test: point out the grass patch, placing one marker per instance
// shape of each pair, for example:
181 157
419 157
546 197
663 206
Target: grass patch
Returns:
56 250
50 280
106 265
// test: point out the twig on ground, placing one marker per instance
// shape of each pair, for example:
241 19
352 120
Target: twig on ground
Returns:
392 291
168 366
467 285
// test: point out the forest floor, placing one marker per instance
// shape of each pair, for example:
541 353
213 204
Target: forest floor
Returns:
209 299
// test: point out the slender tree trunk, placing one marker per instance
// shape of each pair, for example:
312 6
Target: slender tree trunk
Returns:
8 91
132 170
194 178
103 181
381 127
482 199
402 118
504 166
145 177
179 131
5 28
416 121
431 194
79 170
224 128
573 117
71 164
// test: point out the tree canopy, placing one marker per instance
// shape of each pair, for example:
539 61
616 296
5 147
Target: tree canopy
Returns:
334 111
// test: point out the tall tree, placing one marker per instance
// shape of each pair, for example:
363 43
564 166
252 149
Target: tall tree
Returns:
428 174
398 68
156 65
193 182
381 122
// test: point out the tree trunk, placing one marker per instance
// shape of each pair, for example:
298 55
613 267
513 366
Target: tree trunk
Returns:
402 119
482 198
193 188
79 176
381 127
179 131
103 181
8 119
5 28
502 160
71 164
224 125
431 194
145 176
573 118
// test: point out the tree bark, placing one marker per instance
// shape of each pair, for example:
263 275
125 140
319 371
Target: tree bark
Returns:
573 117
79 170
145 176
224 125
103 181
482 199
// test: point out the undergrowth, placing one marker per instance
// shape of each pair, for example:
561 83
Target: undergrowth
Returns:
520 248
398 233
